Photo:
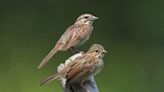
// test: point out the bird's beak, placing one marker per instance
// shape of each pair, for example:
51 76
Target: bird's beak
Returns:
104 51
94 18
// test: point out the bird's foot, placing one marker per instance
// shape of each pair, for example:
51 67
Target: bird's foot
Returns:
74 50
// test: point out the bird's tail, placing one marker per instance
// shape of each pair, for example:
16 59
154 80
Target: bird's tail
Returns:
50 79
48 57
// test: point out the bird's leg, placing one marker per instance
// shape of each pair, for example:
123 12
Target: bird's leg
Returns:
74 50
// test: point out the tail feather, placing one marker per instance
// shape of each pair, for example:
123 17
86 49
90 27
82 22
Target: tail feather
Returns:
50 79
47 58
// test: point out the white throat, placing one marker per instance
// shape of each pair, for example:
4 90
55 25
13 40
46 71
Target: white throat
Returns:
89 22
84 22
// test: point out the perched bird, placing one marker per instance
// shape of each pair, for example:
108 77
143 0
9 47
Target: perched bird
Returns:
79 69
74 36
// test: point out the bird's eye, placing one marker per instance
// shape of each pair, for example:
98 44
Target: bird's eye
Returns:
96 50
86 17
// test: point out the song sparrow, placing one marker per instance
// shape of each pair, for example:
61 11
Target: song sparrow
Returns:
74 36
76 71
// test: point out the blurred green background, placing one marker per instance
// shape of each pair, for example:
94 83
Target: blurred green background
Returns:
131 30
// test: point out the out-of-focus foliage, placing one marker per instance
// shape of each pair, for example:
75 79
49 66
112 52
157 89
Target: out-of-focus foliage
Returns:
131 30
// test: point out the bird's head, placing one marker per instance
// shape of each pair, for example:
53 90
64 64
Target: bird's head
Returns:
86 19
98 50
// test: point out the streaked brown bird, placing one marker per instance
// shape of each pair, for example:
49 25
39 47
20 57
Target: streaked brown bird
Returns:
76 71
74 36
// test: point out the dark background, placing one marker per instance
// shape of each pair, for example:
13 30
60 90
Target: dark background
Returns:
131 30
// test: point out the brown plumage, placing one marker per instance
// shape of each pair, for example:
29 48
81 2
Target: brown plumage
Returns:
74 36
81 67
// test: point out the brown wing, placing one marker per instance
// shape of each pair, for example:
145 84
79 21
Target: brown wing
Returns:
66 35
76 68
80 33
81 67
